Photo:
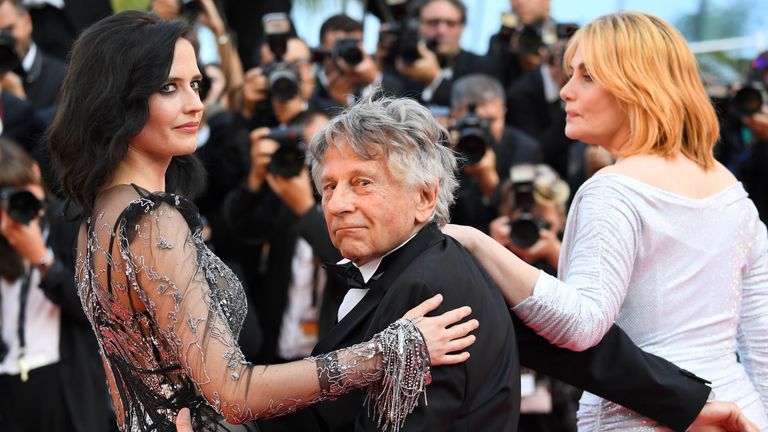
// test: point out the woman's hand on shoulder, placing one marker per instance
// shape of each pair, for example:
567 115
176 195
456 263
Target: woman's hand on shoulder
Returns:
444 335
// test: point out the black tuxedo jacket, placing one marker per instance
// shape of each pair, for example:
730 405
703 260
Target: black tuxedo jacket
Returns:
481 394
615 369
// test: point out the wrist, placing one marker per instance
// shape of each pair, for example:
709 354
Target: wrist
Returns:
43 264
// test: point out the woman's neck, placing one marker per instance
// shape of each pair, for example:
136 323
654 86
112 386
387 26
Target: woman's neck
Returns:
140 170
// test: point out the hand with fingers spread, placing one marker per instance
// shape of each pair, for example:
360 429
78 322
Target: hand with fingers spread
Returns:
444 333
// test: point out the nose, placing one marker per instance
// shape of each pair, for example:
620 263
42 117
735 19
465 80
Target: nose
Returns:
192 103
341 200
566 93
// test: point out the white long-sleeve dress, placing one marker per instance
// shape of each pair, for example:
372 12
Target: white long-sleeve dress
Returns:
687 279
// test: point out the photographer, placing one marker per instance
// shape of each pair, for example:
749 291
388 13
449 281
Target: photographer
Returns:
27 71
488 146
516 45
276 210
278 90
532 215
432 73
346 71
745 134
51 377
534 106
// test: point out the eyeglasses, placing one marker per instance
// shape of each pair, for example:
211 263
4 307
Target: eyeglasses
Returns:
434 22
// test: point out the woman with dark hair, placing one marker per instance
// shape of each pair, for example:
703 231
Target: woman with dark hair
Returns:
165 309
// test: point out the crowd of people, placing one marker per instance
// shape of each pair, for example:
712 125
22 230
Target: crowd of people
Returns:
215 172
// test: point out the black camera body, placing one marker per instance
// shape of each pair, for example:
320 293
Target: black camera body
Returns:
524 226
474 136
403 41
9 57
20 205
348 49
529 38
190 9
283 80
290 158
748 100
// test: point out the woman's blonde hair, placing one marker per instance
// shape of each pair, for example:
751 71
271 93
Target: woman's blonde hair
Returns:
647 65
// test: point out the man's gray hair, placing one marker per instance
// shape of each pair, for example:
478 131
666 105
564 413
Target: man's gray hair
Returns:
401 131
476 89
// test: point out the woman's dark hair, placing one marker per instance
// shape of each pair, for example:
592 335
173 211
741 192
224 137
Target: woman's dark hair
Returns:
114 67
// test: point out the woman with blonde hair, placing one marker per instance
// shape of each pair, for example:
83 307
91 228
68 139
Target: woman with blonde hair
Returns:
665 242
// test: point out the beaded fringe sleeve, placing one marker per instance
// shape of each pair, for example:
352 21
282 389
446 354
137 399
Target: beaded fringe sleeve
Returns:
394 365
167 314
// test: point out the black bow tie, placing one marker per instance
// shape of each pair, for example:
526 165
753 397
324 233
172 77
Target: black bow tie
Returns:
351 274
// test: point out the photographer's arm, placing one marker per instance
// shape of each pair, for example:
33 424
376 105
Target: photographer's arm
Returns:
231 64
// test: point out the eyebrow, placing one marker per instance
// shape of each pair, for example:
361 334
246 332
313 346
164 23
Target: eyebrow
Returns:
194 78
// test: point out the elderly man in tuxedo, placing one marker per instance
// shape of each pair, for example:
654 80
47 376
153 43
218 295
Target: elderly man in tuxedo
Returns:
387 180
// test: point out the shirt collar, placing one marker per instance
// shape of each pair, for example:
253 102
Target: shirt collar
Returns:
369 269
29 59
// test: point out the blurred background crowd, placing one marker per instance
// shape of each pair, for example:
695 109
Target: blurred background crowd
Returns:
269 85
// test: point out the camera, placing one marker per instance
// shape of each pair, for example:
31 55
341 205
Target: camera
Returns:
283 80
474 136
402 41
9 57
190 9
349 50
289 159
20 205
530 38
749 99
524 227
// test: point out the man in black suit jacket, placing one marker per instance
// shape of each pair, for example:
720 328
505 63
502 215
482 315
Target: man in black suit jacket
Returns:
387 183
39 73
388 226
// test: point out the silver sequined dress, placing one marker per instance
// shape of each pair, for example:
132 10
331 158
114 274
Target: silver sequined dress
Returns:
687 279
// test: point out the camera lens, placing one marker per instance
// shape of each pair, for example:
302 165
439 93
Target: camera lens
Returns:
287 161
524 232
283 82
23 206
472 144
746 102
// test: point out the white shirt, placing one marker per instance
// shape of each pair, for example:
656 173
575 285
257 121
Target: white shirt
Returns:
41 329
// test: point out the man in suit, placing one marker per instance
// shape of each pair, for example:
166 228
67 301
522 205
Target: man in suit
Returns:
387 182
39 73
51 376
387 224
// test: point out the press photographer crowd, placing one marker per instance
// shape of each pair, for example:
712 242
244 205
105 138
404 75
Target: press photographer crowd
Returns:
266 92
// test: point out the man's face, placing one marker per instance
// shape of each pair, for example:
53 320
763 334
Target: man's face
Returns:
531 11
19 24
368 208
441 21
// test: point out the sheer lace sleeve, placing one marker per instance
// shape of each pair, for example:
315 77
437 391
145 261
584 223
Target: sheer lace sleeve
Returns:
752 333
596 263
197 305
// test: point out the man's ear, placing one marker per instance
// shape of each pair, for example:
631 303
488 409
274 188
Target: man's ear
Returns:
427 201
